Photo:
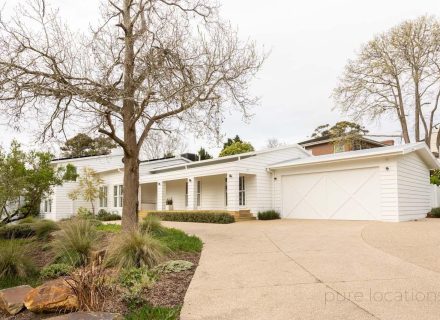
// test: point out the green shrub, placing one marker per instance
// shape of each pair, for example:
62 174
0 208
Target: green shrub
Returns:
268 215
56 270
104 215
84 213
134 281
15 260
135 250
17 231
178 240
151 224
154 313
45 227
435 212
74 243
173 266
222 217
28 219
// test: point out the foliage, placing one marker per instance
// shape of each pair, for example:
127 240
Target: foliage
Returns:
17 231
154 313
134 281
56 270
194 216
203 154
173 266
231 141
435 177
341 132
104 215
15 260
83 145
26 179
75 242
43 228
268 215
91 286
178 240
152 225
29 219
135 249
84 213
113 228
236 148
435 212
89 184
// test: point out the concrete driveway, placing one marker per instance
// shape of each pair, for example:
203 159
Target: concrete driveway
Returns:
301 269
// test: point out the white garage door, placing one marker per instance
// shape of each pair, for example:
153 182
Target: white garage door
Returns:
340 195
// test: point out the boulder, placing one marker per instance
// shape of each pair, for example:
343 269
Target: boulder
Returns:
52 296
89 316
12 299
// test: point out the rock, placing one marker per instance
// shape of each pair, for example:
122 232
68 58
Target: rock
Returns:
12 299
52 296
89 316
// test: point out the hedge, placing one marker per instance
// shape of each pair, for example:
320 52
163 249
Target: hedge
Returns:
222 217
268 215
15 231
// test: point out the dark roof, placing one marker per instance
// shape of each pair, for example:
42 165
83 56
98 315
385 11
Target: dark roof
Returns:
328 139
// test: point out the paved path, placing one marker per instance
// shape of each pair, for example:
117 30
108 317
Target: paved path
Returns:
301 269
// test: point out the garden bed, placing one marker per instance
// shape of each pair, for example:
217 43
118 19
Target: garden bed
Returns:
162 299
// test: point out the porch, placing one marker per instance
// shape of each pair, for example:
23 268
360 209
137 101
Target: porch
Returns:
231 191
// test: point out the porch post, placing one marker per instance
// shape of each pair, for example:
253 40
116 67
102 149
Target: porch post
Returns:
161 195
192 205
232 185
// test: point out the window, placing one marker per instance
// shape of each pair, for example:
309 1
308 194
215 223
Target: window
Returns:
48 205
103 192
186 194
118 194
226 192
241 191
199 192
338 147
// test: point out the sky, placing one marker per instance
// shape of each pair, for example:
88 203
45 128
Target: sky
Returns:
309 43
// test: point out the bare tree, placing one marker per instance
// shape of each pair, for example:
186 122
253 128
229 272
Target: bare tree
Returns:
397 73
273 143
146 65
160 144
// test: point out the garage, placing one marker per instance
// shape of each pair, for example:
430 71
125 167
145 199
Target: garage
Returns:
387 183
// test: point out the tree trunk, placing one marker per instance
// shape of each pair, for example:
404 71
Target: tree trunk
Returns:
402 115
131 188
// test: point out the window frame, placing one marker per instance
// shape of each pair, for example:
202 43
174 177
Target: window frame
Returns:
199 193
103 197
241 191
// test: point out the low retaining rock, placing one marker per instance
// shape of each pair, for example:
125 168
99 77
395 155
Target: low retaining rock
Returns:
12 299
52 296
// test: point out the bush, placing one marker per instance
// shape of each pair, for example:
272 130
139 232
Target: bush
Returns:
84 213
135 250
268 215
104 215
435 212
15 261
16 231
45 227
28 219
222 217
173 266
154 313
151 224
134 280
113 228
178 240
56 270
74 243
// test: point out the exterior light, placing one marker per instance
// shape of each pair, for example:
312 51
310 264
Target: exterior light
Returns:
230 176
387 168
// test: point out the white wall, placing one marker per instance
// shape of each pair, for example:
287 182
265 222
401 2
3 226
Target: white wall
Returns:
176 191
213 193
414 187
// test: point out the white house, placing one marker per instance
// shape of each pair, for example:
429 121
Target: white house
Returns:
386 183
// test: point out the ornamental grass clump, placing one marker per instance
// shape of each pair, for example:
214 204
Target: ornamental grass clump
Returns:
75 242
136 249
152 225
14 260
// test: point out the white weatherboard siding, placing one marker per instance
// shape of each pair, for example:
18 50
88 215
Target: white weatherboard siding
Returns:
213 193
413 187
